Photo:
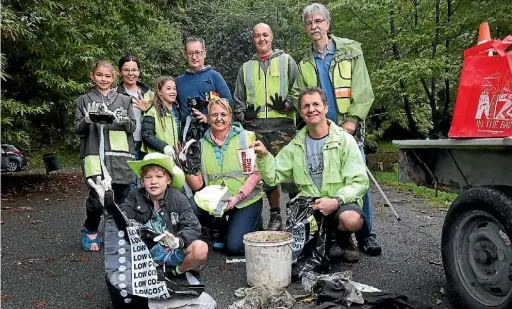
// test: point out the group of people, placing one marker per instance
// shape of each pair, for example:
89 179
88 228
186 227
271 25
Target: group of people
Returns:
329 89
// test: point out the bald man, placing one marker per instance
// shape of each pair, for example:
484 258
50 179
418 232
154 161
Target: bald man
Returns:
262 102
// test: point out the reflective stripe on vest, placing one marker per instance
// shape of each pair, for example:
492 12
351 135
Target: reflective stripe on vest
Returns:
166 129
341 78
230 174
259 89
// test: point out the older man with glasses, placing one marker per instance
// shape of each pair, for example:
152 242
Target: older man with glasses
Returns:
200 81
337 66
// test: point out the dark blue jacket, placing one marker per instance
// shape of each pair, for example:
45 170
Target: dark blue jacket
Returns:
197 84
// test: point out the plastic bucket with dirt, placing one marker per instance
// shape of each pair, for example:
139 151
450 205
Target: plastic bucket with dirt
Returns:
268 256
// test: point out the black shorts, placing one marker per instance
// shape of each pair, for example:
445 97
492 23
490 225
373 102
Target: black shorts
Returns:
352 206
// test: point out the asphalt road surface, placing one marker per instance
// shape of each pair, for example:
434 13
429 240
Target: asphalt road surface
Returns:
43 265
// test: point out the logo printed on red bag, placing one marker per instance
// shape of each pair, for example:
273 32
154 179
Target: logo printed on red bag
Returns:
494 111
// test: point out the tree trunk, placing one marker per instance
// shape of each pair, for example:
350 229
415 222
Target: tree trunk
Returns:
431 93
447 80
396 53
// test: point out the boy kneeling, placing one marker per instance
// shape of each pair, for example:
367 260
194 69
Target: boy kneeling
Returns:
165 210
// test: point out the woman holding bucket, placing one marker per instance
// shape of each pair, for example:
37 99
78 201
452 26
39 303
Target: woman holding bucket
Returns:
227 161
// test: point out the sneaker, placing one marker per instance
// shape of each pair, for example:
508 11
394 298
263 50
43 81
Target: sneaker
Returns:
348 248
276 222
369 246
171 272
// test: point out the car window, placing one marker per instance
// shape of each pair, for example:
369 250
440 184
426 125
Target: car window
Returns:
4 147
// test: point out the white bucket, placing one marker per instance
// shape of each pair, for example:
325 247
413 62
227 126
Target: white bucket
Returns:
268 256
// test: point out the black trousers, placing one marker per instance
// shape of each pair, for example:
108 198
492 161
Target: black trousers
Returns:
94 209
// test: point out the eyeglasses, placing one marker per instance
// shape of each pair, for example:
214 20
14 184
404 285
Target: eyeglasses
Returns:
196 53
310 23
128 71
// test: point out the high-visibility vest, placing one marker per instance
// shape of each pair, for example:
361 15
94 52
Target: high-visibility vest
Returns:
341 79
230 174
259 89
166 128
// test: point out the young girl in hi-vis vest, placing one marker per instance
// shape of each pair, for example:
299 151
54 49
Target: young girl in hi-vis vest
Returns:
105 122
161 124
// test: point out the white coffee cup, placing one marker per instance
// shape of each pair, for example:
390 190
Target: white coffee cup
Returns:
247 159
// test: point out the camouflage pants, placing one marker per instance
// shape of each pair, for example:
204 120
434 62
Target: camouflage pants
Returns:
274 142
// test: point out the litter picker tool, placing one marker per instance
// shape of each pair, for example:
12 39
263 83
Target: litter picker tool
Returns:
383 195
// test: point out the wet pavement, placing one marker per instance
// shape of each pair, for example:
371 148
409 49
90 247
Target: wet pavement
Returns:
43 265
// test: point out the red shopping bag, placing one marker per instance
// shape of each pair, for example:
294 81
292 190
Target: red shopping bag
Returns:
484 98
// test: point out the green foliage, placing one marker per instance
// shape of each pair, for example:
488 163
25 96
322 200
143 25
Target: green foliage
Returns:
51 46
443 199
413 50
226 27
68 158
14 121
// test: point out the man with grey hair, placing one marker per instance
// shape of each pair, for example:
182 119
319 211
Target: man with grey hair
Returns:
337 66
262 102
200 81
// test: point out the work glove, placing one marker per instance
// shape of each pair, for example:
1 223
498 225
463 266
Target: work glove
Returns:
278 104
91 107
167 239
232 201
121 115
169 151
100 186
251 113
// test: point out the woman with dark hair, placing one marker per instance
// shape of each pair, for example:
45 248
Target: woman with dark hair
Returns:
130 85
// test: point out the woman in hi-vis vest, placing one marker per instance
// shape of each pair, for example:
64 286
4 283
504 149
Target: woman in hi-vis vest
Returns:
161 122
221 155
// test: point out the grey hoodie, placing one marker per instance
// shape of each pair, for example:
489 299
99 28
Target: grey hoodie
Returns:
263 125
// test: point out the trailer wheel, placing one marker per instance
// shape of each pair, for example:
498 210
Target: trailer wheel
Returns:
477 250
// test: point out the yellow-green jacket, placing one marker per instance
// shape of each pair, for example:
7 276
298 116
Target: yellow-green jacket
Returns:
257 80
344 172
349 76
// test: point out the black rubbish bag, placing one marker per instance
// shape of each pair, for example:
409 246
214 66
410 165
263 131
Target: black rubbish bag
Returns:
132 276
190 157
194 129
312 235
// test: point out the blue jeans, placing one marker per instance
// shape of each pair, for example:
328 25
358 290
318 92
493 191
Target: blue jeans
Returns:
366 229
240 222
138 146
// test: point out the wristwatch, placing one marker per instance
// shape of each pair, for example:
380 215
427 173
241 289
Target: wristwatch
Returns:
340 201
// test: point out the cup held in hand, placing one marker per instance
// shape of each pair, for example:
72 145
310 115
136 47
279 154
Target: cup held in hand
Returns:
247 159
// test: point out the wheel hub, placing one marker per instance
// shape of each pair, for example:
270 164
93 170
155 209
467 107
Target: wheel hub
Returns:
484 259
485 253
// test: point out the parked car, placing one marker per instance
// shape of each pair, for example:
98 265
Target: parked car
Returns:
12 159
